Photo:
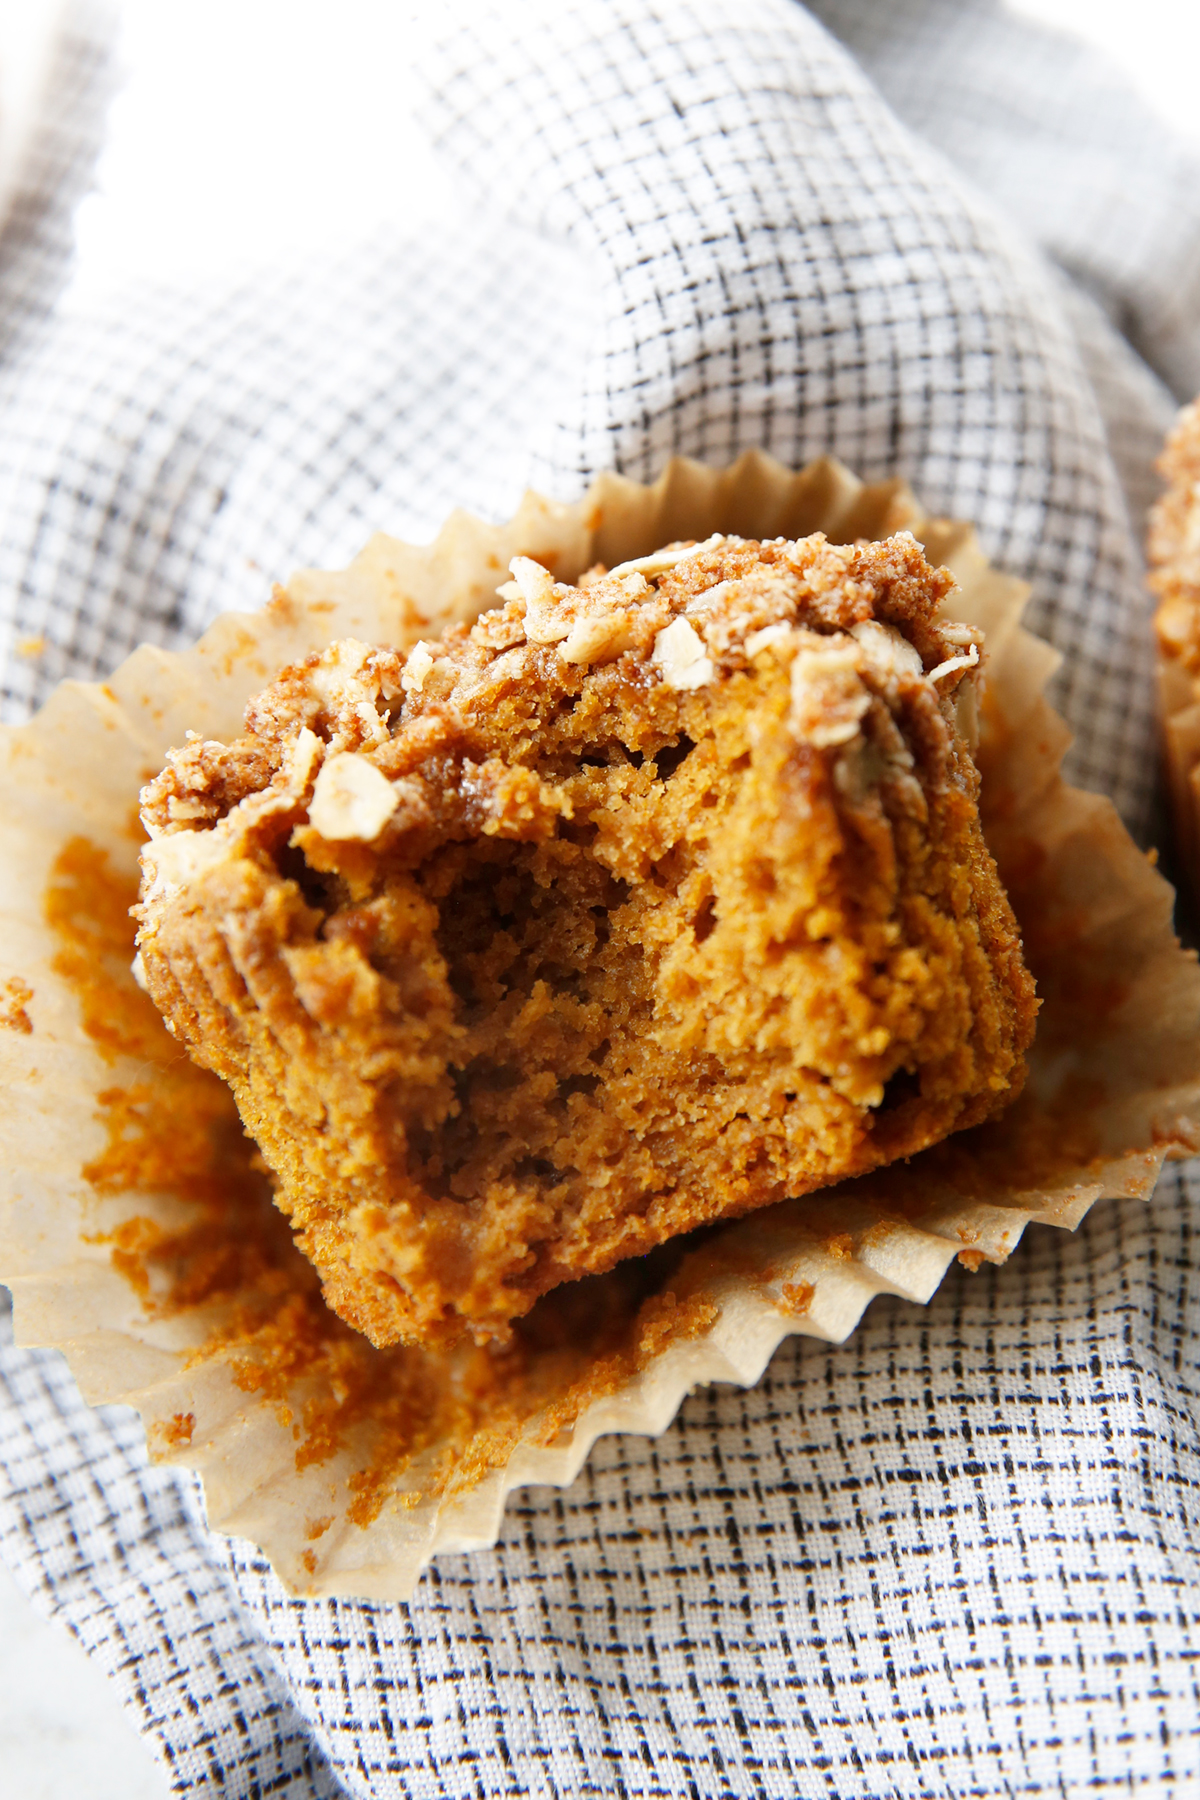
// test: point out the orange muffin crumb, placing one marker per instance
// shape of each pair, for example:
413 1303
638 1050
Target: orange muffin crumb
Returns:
635 905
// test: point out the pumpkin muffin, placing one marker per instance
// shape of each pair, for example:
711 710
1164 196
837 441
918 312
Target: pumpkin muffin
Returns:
634 905
1173 545
1173 556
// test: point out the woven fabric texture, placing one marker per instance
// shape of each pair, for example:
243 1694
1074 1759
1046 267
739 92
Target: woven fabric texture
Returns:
960 1554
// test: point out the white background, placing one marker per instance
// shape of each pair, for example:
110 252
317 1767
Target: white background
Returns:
251 127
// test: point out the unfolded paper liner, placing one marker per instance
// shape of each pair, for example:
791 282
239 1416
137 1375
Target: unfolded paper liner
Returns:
1114 1084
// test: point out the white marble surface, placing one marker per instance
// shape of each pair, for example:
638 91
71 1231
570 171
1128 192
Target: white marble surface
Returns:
63 1734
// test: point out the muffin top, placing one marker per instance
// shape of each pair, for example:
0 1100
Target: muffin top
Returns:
1173 544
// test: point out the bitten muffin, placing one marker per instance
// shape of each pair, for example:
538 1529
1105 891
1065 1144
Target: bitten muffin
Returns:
635 905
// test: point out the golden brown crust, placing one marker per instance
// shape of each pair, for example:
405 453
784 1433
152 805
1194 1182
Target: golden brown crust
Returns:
633 906
1173 544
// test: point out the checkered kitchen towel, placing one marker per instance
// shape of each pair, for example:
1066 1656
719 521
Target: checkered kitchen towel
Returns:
961 1555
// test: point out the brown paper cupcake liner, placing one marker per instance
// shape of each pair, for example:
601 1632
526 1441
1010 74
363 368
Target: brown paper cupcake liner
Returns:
136 1228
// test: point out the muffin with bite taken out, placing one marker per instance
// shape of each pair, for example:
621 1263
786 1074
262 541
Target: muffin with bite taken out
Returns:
634 905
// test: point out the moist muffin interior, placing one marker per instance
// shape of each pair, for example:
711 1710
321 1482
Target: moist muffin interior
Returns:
638 904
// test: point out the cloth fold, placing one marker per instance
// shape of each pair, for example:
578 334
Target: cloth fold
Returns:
955 1555
1049 129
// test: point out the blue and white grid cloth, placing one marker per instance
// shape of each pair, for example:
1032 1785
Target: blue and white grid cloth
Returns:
960 1555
